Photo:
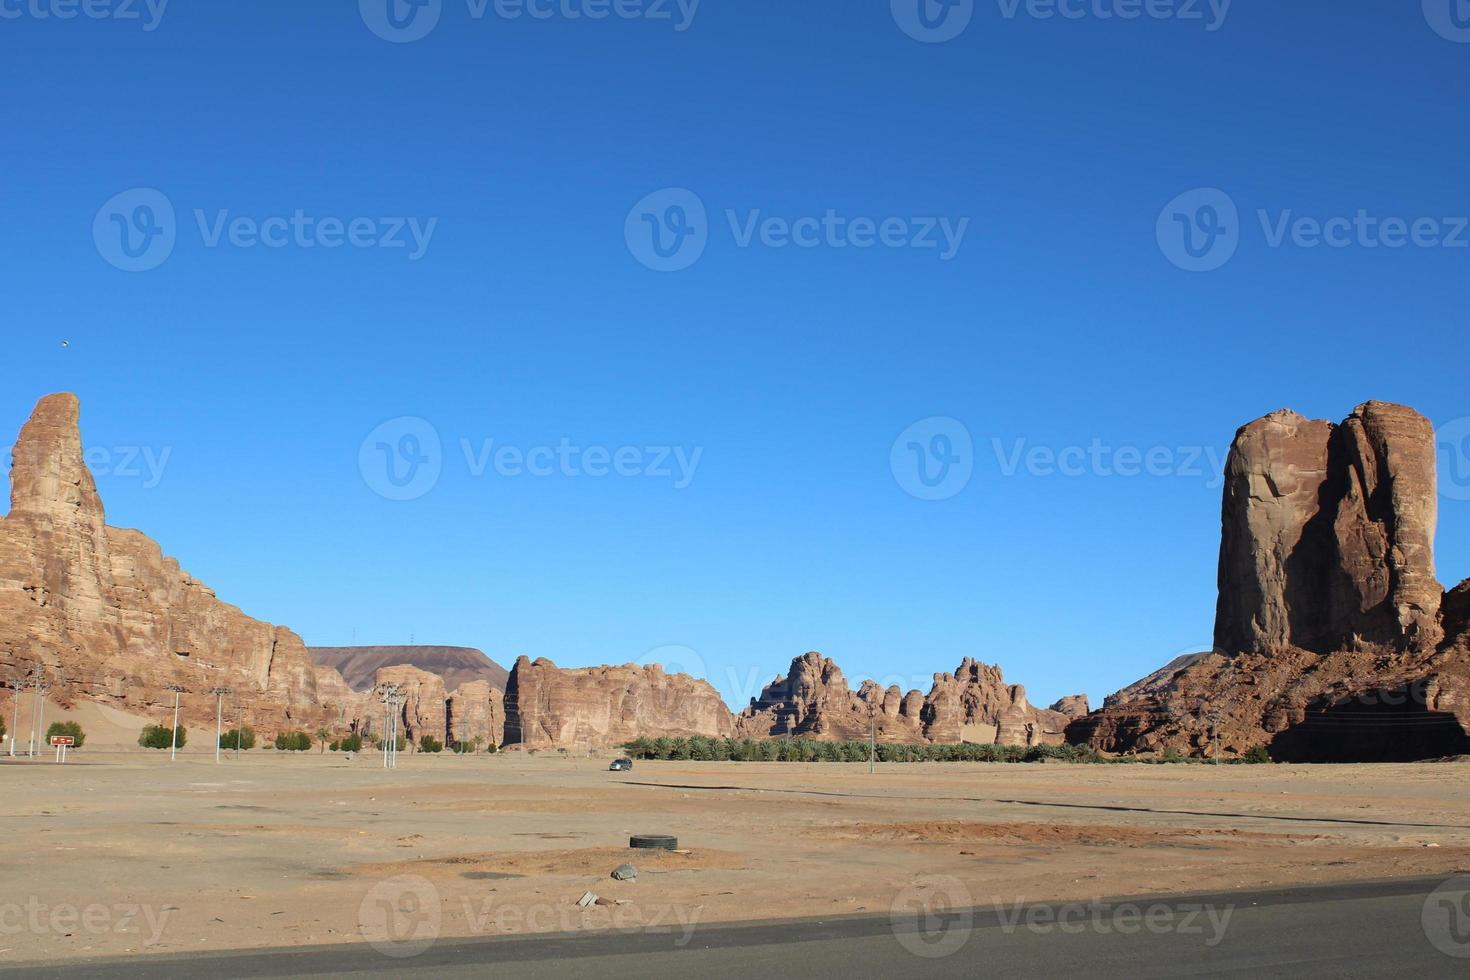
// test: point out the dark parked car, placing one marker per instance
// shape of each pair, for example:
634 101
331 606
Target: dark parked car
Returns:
620 765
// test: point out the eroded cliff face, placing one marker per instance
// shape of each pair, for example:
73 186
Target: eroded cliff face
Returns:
973 704
1328 534
1334 639
596 707
477 710
105 612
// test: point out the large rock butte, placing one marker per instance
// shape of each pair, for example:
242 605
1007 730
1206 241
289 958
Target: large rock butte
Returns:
1334 640
110 618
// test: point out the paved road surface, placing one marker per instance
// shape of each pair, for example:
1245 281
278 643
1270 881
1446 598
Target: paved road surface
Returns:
1372 929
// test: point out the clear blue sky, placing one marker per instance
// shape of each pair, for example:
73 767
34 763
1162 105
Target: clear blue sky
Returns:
529 319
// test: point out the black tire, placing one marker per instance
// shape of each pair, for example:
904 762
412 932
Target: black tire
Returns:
653 842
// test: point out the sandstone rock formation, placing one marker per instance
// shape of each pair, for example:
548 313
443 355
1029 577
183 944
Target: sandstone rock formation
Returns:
974 704
110 618
477 710
1073 706
456 665
423 710
1328 533
1334 639
547 706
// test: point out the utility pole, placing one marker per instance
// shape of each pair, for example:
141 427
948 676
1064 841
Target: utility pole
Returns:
42 689
392 701
17 684
872 737
173 747
219 717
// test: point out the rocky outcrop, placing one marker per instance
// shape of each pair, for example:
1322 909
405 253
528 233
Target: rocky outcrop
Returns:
974 704
596 707
456 665
423 710
1073 706
813 700
1334 639
1328 534
110 618
477 711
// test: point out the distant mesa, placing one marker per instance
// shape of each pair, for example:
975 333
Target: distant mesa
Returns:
454 665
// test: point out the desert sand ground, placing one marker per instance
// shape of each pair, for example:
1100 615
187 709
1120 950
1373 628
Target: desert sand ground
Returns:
121 851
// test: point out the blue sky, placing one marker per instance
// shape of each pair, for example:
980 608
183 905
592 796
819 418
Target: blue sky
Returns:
530 152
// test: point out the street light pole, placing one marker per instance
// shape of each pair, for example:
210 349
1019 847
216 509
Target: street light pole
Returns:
872 737
17 684
42 690
173 741
219 717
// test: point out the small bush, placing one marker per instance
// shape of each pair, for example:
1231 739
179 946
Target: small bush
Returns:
238 738
492 748
429 743
293 741
1257 756
66 728
162 737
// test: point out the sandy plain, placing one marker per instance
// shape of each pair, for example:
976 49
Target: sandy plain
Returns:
121 852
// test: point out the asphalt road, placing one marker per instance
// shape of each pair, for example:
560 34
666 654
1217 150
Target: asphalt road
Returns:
1370 929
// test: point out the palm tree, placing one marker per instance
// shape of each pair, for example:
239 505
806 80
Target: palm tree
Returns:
322 735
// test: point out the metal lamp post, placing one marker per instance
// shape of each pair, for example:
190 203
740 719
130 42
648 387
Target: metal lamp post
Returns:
219 717
173 735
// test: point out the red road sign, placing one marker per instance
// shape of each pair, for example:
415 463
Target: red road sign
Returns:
63 740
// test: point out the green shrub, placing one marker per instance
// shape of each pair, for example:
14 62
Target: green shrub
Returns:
293 742
1173 755
238 738
429 743
492 748
1257 756
66 728
162 737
